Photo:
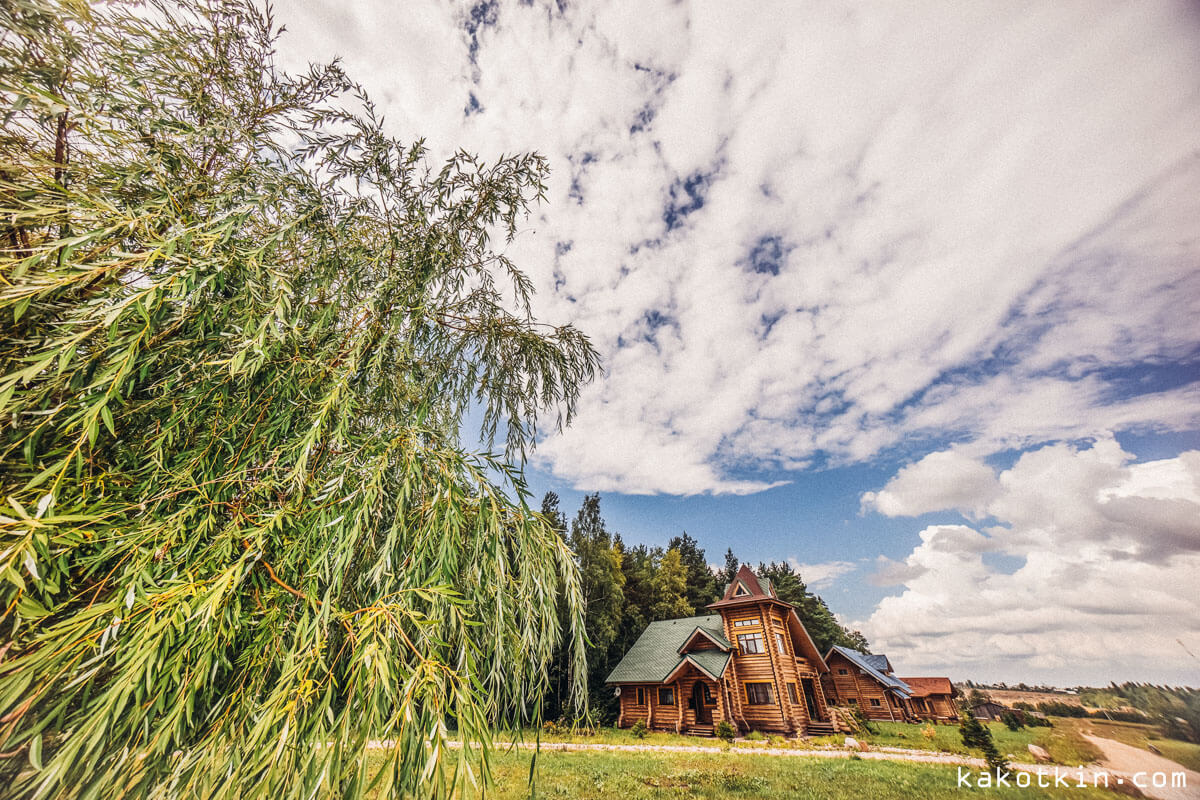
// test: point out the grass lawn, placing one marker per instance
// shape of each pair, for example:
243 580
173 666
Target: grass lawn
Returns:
1063 742
619 775
1137 735
1184 753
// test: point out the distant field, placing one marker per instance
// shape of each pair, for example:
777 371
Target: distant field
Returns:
584 775
1009 696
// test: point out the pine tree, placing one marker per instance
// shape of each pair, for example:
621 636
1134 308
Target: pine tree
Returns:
732 565
638 566
242 328
670 589
600 575
557 703
978 737
702 587
602 583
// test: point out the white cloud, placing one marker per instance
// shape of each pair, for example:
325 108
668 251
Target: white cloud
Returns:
824 574
913 225
1107 561
944 480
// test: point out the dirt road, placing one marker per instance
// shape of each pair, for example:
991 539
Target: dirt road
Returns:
1141 766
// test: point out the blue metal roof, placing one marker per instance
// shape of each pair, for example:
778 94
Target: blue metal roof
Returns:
864 662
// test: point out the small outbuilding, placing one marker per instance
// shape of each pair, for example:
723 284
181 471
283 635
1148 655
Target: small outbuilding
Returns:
988 711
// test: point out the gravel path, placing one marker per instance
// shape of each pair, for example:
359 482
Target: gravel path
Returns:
1128 760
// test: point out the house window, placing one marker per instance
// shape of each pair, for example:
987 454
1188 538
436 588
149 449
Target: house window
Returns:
745 623
875 701
853 700
758 694
750 642
795 698
843 672
779 644
641 696
741 589
666 696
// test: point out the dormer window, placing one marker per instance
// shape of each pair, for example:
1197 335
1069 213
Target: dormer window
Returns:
741 590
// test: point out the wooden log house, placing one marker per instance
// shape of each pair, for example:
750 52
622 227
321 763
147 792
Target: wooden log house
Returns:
866 681
750 662
932 699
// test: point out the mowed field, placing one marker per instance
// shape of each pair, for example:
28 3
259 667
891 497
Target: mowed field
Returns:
591 775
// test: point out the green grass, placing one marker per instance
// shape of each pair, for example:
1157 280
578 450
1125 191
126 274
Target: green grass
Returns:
1140 735
587 775
1184 753
1062 742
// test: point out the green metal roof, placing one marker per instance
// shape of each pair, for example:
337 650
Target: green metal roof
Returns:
655 654
711 661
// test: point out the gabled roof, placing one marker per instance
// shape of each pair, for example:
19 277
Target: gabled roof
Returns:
655 655
879 662
864 663
923 687
711 662
703 633
746 586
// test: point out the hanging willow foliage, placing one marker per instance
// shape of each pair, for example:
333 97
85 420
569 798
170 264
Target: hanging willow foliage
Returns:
241 327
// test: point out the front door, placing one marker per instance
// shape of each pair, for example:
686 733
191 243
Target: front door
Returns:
703 712
810 698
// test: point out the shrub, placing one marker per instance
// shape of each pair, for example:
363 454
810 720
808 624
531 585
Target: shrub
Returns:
725 731
863 722
929 732
639 729
1012 721
552 728
755 736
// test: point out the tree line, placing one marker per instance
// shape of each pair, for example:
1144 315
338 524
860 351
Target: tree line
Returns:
627 586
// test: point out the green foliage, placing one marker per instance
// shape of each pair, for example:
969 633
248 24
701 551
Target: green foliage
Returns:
725 731
818 620
639 729
702 585
600 574
756 736
732 565
670 589
1012 721
1175 709
598 555
976 736
863 723
242 328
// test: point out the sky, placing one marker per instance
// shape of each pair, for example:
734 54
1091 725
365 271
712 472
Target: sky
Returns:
905 294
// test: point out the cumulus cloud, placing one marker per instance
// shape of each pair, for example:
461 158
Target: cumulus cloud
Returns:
1107 556
822 575
806 233
947 479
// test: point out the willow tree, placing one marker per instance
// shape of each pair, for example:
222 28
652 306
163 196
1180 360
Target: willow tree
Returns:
241 328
